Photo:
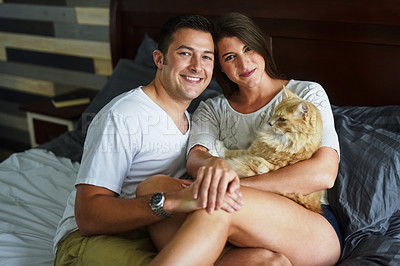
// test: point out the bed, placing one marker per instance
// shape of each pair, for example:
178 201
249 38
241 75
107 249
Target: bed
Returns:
351 48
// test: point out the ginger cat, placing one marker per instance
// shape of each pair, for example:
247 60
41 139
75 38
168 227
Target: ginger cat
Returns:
293 134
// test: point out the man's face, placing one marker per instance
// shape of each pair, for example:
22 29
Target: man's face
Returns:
186 69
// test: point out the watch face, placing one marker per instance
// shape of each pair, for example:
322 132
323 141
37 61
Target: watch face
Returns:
156 199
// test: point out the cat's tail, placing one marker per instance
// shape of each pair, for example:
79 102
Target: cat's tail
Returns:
311 201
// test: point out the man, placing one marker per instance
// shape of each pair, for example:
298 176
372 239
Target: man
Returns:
137 135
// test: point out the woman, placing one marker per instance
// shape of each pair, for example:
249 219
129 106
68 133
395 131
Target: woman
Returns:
252 89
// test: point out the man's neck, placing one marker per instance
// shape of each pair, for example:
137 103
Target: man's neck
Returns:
175 109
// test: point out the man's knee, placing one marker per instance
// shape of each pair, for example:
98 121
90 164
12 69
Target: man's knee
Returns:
279 259
252 256
267 257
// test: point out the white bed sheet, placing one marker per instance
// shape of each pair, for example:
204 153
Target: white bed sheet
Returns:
34 187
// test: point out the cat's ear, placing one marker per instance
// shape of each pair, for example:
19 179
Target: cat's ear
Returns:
287 93
302 110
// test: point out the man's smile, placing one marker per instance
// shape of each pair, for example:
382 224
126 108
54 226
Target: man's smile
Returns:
192 79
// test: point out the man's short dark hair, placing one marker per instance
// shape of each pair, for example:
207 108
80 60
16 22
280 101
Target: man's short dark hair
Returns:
195 22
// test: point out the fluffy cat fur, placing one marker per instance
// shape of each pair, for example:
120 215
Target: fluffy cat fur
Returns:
293 134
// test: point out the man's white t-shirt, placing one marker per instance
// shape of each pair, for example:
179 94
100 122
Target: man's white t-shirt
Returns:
129 140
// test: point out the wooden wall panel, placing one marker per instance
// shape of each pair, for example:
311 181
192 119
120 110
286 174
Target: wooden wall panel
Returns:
92 16
13 121
38 12
27 26
48 47
68 77
3 56
78 63
57 45
38 2
102 66
81 32
29 85
89 3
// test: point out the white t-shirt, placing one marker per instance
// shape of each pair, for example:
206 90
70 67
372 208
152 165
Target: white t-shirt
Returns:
128 141
215 119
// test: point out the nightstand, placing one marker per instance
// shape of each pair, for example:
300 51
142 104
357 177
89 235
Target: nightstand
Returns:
46 122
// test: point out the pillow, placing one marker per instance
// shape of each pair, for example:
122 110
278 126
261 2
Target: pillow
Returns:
127 75
144 55
367 189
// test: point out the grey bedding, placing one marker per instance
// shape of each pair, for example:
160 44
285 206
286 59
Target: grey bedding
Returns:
366 196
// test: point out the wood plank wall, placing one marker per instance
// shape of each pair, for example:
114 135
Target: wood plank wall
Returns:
48 47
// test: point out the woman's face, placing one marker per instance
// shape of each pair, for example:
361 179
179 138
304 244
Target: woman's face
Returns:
242 65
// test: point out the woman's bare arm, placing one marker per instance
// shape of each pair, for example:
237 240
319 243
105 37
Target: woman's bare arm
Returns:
317 173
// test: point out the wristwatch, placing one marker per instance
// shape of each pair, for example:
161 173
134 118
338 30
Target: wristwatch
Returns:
157 205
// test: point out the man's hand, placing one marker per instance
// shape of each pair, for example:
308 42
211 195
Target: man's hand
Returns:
214 180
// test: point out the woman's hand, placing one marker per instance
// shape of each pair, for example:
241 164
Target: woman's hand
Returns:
231 201
214 180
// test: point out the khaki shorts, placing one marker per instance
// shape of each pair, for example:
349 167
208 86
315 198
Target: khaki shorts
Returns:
133 248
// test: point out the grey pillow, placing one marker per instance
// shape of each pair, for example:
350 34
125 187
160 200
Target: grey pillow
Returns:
144 55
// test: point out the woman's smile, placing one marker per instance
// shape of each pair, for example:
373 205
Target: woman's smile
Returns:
247 73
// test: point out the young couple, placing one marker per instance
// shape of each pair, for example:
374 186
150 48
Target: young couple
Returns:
190 222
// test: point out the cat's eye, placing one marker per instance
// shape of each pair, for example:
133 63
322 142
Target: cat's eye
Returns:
281 119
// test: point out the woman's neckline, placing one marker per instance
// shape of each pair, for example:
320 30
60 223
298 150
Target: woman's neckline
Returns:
273 99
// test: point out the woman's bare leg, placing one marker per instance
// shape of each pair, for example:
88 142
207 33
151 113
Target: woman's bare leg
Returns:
266 220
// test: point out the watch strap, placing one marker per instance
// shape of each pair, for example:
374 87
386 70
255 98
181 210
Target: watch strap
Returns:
157 205
162 213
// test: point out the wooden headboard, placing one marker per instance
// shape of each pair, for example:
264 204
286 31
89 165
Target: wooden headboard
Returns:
352 48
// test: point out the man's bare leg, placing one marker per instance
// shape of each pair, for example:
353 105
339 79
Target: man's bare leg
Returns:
252 257
161 233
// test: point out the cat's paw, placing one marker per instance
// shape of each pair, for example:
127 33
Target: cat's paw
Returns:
220 148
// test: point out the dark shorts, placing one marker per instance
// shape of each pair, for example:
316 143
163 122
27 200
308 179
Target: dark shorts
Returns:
328 214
